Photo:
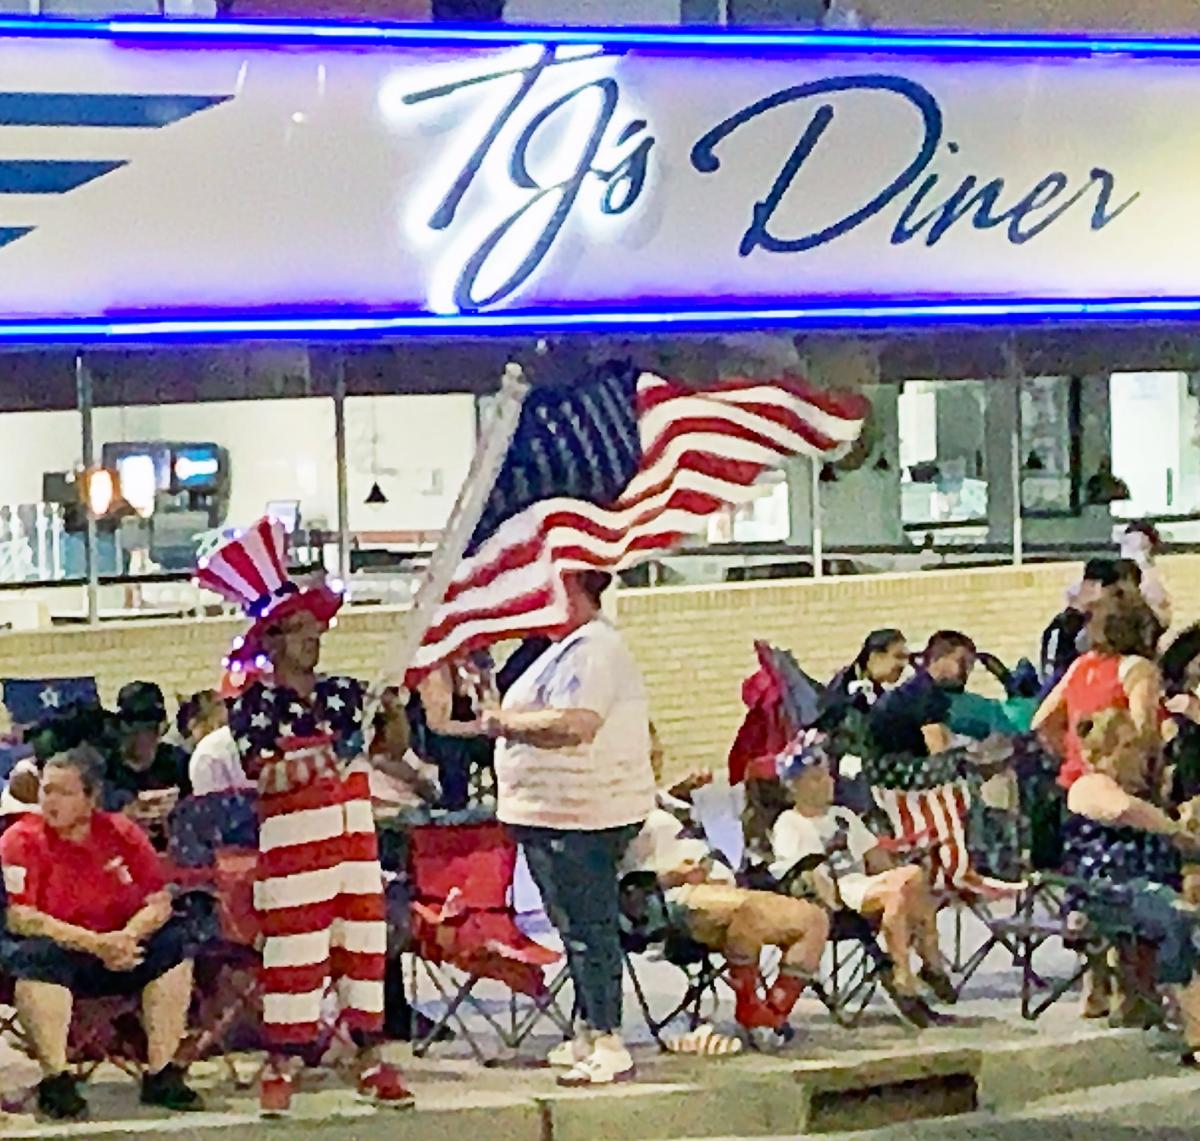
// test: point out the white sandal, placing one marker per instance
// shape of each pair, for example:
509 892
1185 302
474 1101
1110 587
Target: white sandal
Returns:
704 1041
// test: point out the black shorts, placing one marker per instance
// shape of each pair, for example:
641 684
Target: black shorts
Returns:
85 976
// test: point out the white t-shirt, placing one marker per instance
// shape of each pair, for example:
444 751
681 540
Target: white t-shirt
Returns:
661 847
795 836
605 784
216 765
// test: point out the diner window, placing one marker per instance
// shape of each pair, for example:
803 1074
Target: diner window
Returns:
1050 446
763 519
1155 443
942 450
186 473
42 521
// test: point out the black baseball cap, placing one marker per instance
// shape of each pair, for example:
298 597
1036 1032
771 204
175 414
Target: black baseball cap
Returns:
141 703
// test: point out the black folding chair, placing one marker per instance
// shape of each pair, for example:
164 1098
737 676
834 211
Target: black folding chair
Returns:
1042 919
645 924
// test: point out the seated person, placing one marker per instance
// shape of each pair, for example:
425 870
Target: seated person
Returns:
846 705
88 916
913 719
700 888
444 713
1117 836
202 713
859 875
145 776
215 765
1066 636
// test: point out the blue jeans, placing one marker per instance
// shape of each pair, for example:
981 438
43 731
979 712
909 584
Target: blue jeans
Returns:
576 872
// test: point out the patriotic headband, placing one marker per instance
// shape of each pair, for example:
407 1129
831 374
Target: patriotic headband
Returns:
806 751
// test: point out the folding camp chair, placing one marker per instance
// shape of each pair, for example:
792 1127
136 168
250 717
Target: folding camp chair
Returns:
645 926
211 864
856 965
102 1030
929 811
464 931
1039 922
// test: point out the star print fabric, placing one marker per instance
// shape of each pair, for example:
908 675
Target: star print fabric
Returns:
266 715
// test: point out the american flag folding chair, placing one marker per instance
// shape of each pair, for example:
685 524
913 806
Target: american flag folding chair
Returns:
464 933
927 802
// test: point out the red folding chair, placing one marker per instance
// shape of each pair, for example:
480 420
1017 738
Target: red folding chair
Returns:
102 1030
464 931
227 1001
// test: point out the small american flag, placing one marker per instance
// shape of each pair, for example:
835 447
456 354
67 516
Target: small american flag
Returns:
604 471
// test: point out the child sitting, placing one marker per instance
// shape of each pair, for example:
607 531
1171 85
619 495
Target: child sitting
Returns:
700 889
859 875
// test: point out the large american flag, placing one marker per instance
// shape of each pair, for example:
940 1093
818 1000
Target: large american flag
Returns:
604 471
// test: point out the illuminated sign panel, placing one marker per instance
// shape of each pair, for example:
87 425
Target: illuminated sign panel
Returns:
187 179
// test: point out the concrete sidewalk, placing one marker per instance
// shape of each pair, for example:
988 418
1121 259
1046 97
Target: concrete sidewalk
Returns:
827 1079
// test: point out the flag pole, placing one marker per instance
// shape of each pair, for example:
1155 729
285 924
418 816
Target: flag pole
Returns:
497 433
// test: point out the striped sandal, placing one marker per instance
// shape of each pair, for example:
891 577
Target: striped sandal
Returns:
704 1041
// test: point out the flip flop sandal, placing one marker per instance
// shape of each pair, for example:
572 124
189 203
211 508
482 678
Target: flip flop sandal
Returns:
704 1041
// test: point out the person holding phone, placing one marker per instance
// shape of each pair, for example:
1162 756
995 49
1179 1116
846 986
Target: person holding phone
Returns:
145 775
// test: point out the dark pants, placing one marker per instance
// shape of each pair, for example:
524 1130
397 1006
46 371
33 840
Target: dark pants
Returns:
84 975
576 872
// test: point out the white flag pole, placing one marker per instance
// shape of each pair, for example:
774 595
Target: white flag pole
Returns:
468 508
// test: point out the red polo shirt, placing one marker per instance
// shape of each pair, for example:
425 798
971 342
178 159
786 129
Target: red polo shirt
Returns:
99 884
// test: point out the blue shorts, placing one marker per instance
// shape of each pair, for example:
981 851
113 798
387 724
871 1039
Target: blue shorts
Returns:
85 976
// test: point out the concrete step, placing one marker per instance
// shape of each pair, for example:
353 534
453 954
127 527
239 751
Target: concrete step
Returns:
746 1096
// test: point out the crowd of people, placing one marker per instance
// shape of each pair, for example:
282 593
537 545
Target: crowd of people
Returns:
1089 764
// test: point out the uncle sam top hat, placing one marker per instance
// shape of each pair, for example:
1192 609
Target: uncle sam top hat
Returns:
251 570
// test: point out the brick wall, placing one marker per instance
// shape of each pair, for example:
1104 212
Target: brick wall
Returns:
182 656
693 643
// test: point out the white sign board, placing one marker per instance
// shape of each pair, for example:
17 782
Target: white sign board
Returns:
427 183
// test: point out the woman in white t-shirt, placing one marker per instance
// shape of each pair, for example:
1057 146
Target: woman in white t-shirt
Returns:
574 783
858 875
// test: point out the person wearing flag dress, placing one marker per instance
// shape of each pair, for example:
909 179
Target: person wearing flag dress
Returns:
319 892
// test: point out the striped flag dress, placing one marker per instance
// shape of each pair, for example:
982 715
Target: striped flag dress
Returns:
319 890
604 472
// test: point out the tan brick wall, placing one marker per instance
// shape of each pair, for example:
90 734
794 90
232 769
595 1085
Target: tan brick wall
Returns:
694 643
182 656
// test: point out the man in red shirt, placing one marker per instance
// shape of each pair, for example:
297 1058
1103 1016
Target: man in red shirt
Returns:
88 915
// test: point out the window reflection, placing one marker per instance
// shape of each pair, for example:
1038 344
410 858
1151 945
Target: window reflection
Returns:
942 434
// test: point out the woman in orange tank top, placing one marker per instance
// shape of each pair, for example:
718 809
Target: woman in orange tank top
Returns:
1118 672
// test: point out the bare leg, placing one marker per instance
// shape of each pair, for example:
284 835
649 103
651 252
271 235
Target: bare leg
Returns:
922 912
1189 1008
893 896
164 1014
45 1013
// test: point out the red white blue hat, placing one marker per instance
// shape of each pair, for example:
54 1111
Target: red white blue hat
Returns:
251 570
806 750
